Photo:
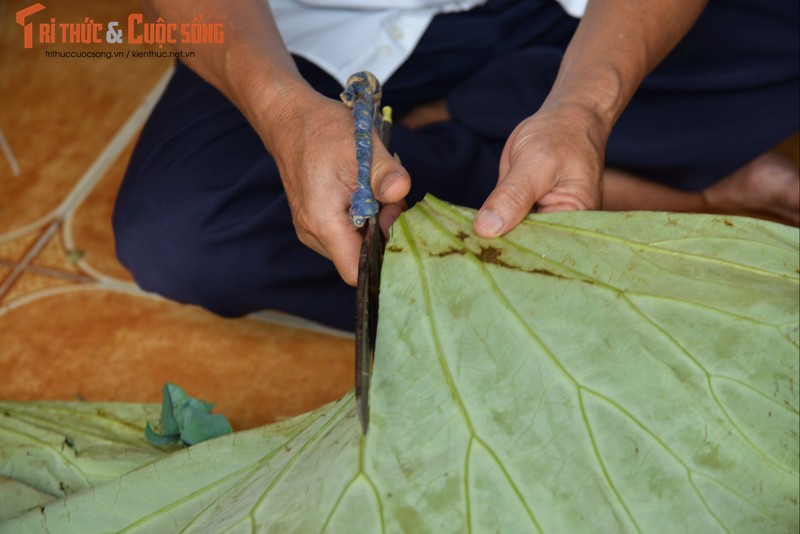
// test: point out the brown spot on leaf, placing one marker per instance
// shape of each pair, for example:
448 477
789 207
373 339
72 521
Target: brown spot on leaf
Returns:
449 252
394 248
548 273
462 235
492 255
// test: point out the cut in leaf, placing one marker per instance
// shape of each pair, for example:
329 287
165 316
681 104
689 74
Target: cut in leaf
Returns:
589 372
185 419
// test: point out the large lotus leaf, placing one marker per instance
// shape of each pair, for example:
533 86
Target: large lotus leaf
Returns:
589 372
52 449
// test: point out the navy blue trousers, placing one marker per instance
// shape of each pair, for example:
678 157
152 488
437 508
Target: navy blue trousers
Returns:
202 218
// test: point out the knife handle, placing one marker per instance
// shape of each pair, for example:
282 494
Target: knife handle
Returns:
363 95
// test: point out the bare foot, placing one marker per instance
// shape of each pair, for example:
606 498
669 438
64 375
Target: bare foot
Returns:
425 114
769 186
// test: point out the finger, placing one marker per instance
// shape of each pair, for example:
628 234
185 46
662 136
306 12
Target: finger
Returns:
390 180
510 202
330 233
343 245
389 213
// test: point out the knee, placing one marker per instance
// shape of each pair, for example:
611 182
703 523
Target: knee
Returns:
184 226
177 264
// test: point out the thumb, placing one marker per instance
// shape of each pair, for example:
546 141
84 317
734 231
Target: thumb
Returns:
509 203
390 181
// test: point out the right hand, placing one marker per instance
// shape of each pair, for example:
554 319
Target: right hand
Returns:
311 138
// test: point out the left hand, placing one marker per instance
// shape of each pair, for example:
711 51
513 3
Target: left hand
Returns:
552 161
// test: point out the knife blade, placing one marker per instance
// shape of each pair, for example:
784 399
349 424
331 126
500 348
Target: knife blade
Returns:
367 297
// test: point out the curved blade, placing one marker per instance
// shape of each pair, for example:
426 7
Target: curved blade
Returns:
368 289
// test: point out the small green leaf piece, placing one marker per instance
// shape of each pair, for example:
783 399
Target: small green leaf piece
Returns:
185 419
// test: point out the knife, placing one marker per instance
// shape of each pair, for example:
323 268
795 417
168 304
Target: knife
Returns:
363 94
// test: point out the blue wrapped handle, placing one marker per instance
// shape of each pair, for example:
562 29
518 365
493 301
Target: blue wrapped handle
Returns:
363 95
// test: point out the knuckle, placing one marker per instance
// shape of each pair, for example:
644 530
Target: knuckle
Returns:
381 168
307 240
515 195
304 237
301 223
304 228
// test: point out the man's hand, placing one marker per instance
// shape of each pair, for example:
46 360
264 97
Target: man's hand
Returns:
552 160
310 136
314 148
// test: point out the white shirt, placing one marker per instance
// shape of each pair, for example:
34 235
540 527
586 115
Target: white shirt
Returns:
327 32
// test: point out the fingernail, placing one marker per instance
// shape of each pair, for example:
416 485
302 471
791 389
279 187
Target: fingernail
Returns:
489 222
387 182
